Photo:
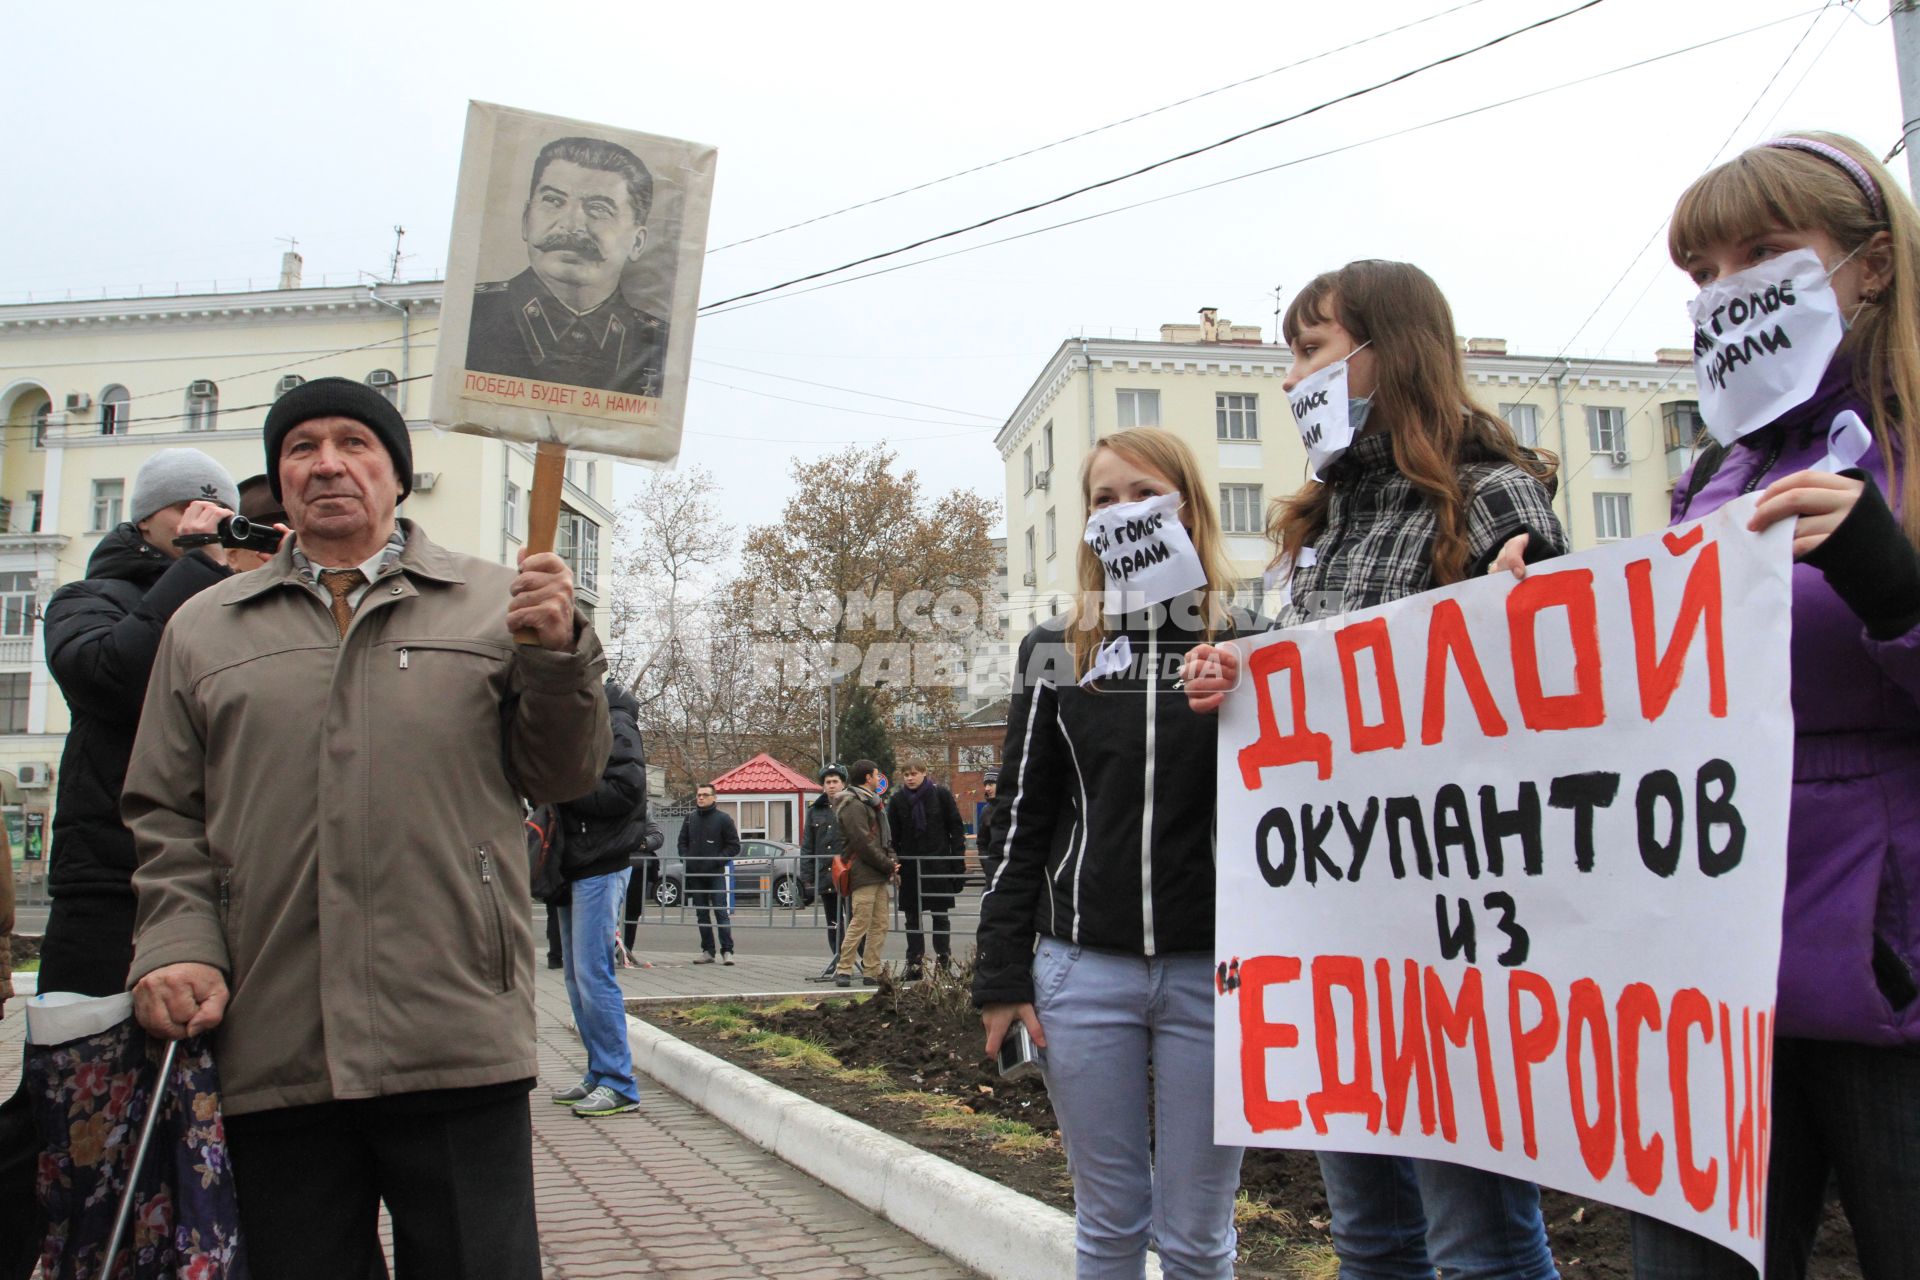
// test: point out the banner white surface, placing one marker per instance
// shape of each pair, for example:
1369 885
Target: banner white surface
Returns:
1500 876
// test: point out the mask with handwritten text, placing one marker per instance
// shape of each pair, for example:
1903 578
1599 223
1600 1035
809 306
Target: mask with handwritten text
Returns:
1145 554
1762 338
1328 421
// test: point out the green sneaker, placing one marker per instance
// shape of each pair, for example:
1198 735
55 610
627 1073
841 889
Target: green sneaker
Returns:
604 1102
568 1096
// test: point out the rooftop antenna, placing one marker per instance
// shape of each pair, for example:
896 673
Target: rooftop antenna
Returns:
393 268
1278 290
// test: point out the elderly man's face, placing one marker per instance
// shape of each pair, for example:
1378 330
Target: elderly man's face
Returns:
580 229
338 481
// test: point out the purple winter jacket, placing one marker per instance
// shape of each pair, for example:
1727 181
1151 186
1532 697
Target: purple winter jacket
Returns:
1851 944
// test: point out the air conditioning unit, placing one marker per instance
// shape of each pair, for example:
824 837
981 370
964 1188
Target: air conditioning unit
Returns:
1620 458
202 389
1041 479
423 481
34 776
78 402
381 378
1030 578
287 383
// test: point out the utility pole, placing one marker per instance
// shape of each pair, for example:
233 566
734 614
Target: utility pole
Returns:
1906 52
1278 290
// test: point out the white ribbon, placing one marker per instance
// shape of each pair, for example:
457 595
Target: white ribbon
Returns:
1279 579
1116 658
1847 442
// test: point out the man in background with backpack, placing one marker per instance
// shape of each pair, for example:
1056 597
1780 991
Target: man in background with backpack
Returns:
593 839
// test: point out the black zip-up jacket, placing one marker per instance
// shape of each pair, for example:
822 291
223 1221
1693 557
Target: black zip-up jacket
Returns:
101 635
933 863
819 844
607 824
708 841
1106 810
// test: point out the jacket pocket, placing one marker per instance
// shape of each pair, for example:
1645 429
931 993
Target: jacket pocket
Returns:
1052 961
497 957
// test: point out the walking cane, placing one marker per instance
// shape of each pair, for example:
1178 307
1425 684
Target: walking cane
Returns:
139 1158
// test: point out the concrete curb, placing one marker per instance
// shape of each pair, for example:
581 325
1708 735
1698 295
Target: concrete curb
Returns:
978 1223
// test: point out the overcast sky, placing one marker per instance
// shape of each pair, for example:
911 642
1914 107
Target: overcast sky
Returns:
150 145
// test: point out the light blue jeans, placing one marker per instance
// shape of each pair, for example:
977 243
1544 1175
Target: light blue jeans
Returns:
587 930
1396 1218
1107 1016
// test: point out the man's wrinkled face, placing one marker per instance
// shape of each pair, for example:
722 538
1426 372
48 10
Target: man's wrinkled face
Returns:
703 797
337 480
579 227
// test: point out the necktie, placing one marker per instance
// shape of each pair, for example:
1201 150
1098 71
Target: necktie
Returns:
340 583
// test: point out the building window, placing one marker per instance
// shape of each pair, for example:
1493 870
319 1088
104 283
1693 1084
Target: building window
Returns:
1139 409
34 502
15 687
116 411
1046 445
592 471
40 417
1031 576
1029 465
1525 421
511 515
1236 417
1606 429
383 381
16 604
1053 540
1612 516
577 541
288 381
1240 508
109 496
203 404
1681 421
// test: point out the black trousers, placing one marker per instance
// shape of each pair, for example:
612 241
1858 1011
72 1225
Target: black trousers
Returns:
636 906
936 908
553 936
88 948
832 909
455 1168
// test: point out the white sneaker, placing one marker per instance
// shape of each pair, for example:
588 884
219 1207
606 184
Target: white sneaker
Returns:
570 1095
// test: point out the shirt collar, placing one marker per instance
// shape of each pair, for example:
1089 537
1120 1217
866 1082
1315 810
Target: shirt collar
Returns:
372 567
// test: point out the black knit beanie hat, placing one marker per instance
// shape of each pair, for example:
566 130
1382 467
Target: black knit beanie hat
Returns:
339 398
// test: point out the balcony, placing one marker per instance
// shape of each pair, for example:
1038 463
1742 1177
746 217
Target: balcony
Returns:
17 651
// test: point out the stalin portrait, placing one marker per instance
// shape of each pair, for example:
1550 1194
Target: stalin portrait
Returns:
564 319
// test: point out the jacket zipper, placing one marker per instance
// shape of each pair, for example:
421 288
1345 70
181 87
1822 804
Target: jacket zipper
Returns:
1146 800
492 904
403 659
1773 456
226 892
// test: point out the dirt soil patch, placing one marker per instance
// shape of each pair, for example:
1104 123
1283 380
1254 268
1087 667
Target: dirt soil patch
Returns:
907 1060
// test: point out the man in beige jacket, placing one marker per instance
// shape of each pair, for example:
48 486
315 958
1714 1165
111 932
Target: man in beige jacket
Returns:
325 796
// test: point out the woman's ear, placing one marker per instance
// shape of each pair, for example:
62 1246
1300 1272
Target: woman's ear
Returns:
1876 266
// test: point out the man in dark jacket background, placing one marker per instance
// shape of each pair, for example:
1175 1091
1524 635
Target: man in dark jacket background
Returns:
819 845
708 842
602 828
101 634
931 842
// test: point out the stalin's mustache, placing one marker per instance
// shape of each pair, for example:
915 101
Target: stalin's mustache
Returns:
571 242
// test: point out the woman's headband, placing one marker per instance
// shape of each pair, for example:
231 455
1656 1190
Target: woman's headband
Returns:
1846 163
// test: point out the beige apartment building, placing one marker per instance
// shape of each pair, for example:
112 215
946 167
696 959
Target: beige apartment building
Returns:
89 389
1622 428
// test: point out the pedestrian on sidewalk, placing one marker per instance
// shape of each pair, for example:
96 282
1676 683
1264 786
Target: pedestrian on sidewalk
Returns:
645 861
983 824
331 883
602 829
709 841
862 820
820 844
931 842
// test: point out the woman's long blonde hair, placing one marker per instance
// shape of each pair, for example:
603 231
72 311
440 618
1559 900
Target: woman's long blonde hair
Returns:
1162 451
1764 188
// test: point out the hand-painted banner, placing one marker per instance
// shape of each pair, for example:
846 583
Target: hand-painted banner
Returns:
572 282
1500 876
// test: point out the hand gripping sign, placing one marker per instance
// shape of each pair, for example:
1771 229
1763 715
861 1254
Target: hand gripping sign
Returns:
1468 842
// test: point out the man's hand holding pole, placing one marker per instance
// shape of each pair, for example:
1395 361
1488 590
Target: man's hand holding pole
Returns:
542 600
177 1001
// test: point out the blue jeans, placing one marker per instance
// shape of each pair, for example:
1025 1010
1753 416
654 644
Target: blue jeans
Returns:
599 1010
709 895
1846 1111
1396 1218
1106 1017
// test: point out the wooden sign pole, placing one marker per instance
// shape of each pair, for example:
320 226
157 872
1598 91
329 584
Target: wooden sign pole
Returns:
543 508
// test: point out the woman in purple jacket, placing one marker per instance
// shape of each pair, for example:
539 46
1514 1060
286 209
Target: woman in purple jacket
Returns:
1807 236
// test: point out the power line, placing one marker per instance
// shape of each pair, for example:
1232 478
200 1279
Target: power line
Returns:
1160 164
344 351
1088 133
873 395
1286 164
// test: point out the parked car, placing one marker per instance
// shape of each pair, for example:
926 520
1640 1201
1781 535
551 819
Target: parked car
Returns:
766 872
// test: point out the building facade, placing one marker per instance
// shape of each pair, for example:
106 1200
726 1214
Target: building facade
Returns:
1623 429
89 390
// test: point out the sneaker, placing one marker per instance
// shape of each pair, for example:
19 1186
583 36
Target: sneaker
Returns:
842 980
570 1095
726 957
706 957
604 1102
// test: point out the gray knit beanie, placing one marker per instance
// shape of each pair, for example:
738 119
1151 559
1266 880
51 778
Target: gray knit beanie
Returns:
180 475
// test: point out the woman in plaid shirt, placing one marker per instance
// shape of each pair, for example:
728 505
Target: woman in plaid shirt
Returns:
1431 491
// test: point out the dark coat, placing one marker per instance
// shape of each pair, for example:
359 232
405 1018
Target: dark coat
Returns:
933 863
819 844
708 842
605 826
101 635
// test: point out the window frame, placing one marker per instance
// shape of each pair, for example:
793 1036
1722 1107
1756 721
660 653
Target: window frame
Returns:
97 495
116 416
1053 534
1670 423
1134 398
1529 437
1247 415
1616 428
1612 508
16 701
1239 499
203 412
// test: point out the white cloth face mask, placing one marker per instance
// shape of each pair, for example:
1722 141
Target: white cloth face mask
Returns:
1327 426
1762 339
1145 554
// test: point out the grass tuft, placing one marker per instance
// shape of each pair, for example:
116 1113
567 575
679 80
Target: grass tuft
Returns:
793 1051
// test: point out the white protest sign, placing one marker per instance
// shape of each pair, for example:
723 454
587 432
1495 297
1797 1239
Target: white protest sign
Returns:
1500 876
1145 554
1761 341
572 281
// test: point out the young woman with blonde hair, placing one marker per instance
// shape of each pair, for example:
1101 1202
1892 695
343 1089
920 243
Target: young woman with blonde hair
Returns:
1106 821
1430 491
